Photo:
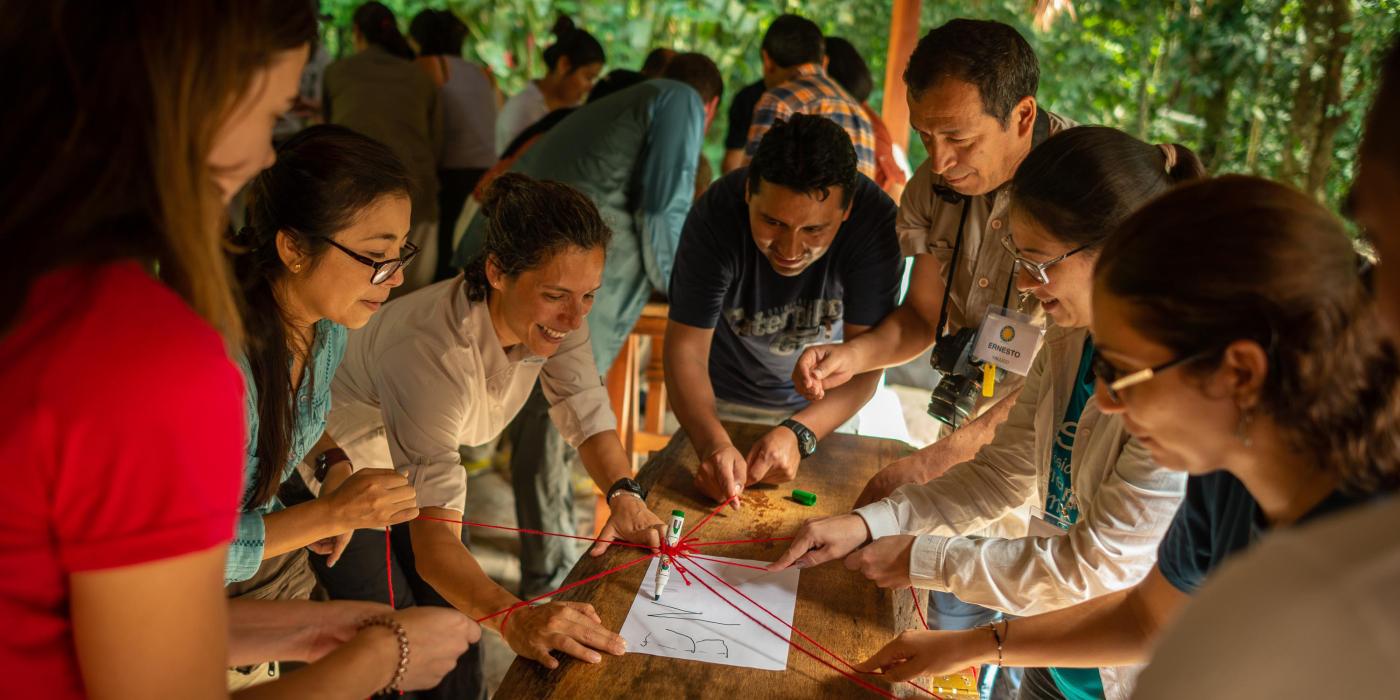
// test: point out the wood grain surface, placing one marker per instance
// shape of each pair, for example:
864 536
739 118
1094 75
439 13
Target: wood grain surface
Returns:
838 608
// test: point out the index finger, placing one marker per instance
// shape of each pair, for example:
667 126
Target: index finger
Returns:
888 655
594 635
800 546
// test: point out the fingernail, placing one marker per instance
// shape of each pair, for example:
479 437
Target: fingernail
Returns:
594 658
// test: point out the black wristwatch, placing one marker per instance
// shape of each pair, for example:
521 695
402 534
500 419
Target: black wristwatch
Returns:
628 485
806 440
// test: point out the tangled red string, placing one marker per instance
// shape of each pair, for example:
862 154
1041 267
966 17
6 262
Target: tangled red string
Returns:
683 551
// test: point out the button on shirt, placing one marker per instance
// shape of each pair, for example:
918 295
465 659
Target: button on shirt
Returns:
428 373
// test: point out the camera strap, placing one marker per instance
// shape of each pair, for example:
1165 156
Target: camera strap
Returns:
948 195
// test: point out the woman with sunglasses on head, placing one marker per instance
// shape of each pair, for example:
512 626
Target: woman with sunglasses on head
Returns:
125 440
1239 344
1105 503
325 243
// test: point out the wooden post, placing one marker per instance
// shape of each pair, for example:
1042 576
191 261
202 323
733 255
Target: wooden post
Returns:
904 34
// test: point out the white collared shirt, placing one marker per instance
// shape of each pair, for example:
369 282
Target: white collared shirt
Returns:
428 374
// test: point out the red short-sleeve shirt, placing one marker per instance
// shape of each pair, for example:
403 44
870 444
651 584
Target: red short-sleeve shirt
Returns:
122 443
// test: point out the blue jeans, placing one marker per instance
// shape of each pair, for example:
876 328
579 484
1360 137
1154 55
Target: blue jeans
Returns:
947 612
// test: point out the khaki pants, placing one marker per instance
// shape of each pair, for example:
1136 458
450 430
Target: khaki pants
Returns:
283 577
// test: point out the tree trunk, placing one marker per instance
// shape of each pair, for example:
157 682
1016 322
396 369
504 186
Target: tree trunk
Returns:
1331 109
1302 122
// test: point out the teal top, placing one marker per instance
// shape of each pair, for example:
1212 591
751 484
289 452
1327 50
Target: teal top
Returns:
312 404
1062 509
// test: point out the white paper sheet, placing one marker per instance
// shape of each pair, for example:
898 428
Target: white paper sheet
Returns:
689 622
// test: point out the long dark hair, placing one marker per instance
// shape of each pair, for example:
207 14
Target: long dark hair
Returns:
1241 257
527 222
324 177
579 46
107 139
379 27
1082 182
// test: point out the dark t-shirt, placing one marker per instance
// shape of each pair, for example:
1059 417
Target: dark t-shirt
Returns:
1218 518
741 115
767 318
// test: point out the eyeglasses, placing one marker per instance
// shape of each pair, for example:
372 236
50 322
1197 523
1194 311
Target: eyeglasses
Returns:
1036 270
383 269
1115 385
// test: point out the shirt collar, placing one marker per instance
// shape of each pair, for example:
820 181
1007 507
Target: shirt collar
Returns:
494 359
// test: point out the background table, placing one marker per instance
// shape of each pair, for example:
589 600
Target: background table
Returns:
836 607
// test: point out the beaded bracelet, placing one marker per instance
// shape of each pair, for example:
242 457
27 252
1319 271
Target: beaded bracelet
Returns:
402 634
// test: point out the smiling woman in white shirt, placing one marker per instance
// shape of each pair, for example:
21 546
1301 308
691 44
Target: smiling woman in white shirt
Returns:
451 365
1106 503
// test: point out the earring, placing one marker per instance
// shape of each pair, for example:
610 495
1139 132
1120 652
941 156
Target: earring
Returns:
1242 430
296 267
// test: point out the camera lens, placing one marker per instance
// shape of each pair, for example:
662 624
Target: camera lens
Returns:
953 400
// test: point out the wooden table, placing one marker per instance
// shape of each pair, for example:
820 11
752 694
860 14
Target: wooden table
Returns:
838 608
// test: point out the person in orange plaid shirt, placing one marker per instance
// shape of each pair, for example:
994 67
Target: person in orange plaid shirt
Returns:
794 69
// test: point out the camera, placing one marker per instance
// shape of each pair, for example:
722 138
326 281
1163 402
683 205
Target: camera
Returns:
955 398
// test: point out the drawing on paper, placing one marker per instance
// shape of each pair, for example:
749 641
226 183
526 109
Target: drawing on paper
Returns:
690 622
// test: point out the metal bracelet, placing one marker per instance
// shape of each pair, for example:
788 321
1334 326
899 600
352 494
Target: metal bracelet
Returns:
992 627
402 634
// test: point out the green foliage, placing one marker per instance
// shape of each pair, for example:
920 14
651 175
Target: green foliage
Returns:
1220 76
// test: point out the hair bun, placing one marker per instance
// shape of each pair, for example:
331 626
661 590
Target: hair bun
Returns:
563 27
504 194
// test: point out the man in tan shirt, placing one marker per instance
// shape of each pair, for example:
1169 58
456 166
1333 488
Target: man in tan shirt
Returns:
972 88
971 92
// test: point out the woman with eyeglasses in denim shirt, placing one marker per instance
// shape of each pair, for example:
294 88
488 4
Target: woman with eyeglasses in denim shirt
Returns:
324 245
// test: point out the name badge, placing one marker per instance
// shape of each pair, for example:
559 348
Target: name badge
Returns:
1008 339
1042 524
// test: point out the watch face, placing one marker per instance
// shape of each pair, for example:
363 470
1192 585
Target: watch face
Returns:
809 442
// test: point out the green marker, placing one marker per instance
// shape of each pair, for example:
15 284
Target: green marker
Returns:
673 537
806 498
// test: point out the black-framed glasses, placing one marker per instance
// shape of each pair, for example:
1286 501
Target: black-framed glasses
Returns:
1038 271
1114 384
383 269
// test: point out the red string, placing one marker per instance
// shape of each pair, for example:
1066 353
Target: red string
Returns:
684 550
706 519
795 630
726 563
594 577
718 542
857 679
920 610
528 531
389 565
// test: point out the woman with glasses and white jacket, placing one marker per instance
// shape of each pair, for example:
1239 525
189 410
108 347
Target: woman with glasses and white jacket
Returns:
1106 504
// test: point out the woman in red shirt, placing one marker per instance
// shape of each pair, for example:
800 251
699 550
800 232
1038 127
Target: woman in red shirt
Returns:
124 434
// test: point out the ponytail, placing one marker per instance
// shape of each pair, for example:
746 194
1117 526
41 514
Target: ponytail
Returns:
378 26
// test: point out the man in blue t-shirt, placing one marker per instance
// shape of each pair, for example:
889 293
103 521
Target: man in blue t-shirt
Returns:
796 250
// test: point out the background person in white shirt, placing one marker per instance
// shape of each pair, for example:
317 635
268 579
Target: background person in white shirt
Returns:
452 364
1239 343
1311 612
1056 451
